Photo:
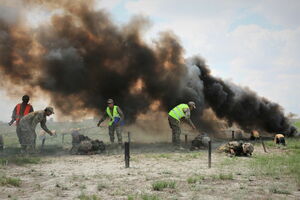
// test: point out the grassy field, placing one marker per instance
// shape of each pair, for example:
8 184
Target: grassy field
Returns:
297 124
157 172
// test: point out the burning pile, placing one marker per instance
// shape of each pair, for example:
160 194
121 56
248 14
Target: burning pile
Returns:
81 58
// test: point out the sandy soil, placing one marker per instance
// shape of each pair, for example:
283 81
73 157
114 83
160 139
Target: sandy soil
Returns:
62 176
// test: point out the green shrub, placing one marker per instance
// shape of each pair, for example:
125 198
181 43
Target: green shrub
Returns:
19 160
195 179
83 196
10 181
149 197
160 185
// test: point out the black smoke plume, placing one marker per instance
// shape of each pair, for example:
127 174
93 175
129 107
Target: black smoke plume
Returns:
81 58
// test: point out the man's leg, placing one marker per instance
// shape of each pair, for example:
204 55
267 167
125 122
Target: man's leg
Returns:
174 125
21 138
31 140
111 130
119 134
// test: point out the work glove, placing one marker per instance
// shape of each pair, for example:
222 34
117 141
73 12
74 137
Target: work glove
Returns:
10 123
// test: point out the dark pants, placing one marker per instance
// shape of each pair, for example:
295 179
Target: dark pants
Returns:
111 130
176 131
280 141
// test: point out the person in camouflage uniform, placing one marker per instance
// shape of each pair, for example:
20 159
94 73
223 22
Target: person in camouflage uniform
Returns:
116 116
235 148
27 125
83 145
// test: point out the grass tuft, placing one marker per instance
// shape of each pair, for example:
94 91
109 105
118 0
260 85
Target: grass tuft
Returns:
223 176
149 197
195 179
277 190
83 196
160 185
19 160
10 181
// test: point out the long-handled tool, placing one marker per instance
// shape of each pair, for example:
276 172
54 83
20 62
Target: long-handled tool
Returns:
263 144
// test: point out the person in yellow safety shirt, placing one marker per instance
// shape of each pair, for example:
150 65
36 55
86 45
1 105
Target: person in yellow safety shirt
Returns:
176 115
279 139
116 116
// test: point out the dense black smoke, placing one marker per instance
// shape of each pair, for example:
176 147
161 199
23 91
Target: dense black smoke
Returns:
241 105
82 58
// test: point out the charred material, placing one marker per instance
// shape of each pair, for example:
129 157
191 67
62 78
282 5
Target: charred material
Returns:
83 145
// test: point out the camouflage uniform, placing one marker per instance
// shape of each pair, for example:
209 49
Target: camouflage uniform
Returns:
84 145
26 128
176 131
235 148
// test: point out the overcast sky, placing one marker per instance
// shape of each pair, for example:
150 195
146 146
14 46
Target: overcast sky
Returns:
252 43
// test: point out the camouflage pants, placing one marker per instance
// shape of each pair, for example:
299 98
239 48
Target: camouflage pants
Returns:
176 131
20 138
111 131
1 143
27 138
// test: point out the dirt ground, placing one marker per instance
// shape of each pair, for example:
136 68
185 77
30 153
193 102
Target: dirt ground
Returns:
104 176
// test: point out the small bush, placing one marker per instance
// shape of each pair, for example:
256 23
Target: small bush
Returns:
226 176
149 197
160 185
83 196
277 190
130 197
223 177
163 155
195 179
10 181
19 160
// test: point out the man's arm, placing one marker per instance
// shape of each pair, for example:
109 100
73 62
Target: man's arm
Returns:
13 116
102 119
31 109
187 113
120 113
43 126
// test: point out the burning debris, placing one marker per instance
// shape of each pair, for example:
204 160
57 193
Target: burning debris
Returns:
81 58
84 145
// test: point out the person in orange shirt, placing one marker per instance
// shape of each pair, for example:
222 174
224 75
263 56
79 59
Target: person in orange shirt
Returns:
20 111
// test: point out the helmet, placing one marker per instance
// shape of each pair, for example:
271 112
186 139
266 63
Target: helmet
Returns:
25 98
248 148
110 101
192 104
